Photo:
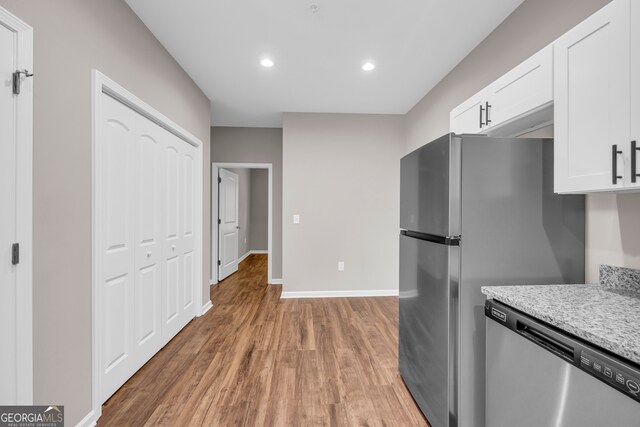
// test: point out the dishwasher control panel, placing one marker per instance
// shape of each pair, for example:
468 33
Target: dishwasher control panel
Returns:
612 372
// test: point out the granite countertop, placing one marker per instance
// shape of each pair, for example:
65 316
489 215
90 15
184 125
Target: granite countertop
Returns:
607 315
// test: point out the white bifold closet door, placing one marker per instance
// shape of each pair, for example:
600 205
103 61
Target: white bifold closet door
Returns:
146 180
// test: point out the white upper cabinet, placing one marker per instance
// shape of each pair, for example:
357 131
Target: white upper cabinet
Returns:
516 102
526 88
471 115
634 115
592 75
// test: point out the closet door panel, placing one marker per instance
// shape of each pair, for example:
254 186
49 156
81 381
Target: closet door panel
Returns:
173 268
116 286
188 236
148 231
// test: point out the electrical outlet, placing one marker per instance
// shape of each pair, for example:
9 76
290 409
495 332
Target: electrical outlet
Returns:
296 219
340 265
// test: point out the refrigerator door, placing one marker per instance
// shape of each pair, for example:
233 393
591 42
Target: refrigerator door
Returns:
428 313
430 188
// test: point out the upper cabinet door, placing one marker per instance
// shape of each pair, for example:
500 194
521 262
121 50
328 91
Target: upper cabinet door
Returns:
592 102
527 87
634 158
471 115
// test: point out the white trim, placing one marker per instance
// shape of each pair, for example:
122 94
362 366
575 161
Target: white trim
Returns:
214 215
341 294
275 282
24 208
251 252
206 307
102 84
89 420
243 257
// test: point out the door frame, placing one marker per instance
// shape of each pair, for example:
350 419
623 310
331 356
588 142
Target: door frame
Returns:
103 84
214 215
24 207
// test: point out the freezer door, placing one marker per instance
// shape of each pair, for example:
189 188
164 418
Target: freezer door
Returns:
428 294
430 187
528 386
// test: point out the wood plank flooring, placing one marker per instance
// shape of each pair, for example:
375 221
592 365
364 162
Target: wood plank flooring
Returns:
256 360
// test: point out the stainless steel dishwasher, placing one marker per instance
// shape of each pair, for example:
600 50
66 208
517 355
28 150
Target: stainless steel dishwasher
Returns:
540 376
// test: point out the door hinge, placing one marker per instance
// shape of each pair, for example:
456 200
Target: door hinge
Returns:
219 263
17 80
219 221
219 180
15 254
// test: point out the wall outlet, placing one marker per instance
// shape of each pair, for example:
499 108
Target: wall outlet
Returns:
340 265
296 219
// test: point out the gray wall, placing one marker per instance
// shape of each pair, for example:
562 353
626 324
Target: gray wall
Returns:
342 176
71 38
612 232
255 145
244 209
259 211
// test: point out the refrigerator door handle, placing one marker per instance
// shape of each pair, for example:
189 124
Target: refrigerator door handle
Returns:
443 240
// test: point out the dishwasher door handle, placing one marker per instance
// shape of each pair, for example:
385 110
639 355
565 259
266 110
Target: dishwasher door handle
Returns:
544 339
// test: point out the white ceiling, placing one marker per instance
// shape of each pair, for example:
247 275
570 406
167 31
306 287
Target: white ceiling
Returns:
318 57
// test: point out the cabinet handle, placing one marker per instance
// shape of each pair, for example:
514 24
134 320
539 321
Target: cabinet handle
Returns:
487 107
481 121
634 161
614 163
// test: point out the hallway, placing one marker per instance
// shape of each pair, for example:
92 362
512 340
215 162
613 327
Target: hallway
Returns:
256 360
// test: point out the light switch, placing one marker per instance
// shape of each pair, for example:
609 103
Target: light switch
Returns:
340 265
296 219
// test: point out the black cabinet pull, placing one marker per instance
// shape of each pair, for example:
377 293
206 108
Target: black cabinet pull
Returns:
614 164
634 161
481 121
487 121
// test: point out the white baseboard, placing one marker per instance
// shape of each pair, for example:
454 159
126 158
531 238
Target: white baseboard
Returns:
243 257
409 294
206 307
275 282
341 294
89 420
213 282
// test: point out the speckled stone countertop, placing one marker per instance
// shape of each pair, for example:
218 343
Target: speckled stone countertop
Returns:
605 315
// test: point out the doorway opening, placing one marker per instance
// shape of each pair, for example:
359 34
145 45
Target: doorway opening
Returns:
242 216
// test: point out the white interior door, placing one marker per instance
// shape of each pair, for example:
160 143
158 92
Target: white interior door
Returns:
228 223
8 271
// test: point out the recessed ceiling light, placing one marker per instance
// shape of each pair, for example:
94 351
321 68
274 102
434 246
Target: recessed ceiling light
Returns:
368 66
266 62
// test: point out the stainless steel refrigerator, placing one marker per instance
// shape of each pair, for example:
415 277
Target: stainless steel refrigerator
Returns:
474 211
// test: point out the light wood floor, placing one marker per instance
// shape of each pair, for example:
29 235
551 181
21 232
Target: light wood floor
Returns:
256 360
